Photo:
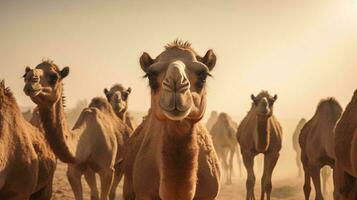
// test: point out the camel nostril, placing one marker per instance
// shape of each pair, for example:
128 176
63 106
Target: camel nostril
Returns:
184 86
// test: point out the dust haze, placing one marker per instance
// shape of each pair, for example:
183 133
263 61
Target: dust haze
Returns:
302 51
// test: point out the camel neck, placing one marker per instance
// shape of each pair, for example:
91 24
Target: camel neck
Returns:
121 115
263 134
179 155
56 131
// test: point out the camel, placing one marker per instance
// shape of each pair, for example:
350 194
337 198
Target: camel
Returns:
27 164
223 136
260 132
118 97
95 144
171 155
296 146
317 143
345 172
211 120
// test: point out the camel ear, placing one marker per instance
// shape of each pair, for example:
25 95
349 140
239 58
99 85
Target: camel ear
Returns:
129 90
272 101
253 99
146 61
106 92
26 71
209 59
275 97
64 72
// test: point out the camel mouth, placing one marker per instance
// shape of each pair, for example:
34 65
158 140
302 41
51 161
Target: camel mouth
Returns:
265 114
32 92
176 114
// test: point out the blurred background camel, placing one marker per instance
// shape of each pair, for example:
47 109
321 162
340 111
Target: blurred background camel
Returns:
211 120
260 132
296 146
223 135
27 163
118 97
317 143
95 142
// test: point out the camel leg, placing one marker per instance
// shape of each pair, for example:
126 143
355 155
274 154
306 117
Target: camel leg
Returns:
223 155
119 172
248 160
337 174
74 178
307 183
230 165
315 175
325 174
344 184
44 194
128 190
270 161
106 180
239 160
89 175
116 182
298 163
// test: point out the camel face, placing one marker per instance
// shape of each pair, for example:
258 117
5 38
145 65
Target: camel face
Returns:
177 78
264 103
118 97
41 83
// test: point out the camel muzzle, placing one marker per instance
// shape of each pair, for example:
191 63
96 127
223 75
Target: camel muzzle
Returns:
176 100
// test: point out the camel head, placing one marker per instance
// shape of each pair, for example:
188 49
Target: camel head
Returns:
43 84
214 114
227 123
118 97
264 104
177 78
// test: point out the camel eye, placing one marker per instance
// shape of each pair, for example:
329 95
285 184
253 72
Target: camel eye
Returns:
271 102
152 76
125 95
53 79
201 79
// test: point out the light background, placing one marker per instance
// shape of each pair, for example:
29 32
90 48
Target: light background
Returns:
303 50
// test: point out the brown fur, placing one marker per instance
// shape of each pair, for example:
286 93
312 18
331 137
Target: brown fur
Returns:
170 156
316 142
256 134
26 162
345 148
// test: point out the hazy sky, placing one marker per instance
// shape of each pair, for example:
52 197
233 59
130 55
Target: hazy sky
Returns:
302 50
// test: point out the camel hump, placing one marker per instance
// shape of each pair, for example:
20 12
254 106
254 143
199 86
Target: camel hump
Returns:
84 116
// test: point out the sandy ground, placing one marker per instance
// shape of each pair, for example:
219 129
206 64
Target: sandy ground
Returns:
285 188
